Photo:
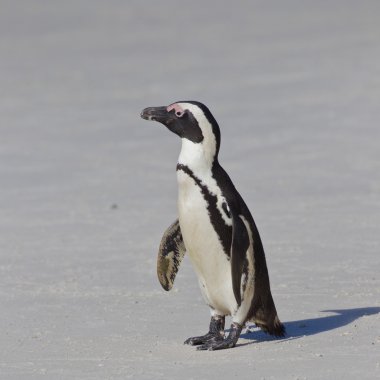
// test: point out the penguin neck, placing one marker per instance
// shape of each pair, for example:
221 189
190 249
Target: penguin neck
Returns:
196 157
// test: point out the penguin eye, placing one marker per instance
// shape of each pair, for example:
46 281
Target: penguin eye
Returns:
179 113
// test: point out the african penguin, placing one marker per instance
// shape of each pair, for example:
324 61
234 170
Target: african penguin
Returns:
216 229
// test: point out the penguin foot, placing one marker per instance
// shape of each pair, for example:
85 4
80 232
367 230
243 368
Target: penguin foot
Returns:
215 334
207 338
229 342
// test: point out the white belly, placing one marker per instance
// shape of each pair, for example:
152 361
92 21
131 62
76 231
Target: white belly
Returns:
204 248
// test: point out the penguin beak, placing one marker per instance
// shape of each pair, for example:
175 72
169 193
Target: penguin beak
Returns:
159 114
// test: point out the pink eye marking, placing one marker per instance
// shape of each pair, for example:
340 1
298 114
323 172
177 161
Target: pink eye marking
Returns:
179 111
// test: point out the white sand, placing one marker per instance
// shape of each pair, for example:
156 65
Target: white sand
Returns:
295 86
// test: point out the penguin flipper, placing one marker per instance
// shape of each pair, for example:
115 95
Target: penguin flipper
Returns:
240 244
170 254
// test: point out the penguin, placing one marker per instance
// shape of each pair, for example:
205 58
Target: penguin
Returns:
216 230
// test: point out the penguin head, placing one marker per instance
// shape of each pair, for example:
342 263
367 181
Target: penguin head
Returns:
190 120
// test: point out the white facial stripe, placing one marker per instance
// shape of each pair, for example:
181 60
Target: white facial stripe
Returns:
204 151
176 107
197 113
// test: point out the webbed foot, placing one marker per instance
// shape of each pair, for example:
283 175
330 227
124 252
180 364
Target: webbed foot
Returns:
215 334
229 342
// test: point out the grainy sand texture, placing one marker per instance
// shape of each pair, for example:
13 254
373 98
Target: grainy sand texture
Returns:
87 187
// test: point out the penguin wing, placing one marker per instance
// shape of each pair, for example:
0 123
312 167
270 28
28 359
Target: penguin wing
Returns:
240 244
170 254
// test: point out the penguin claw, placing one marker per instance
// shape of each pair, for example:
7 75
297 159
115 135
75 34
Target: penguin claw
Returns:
193 341
203 347
201 340
217 345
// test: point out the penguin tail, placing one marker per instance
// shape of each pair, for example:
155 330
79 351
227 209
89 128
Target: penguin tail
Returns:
264 315
275 328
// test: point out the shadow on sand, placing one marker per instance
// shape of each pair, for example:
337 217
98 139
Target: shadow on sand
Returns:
307 327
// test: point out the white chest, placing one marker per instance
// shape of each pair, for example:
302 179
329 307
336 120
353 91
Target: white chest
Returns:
203 245
200 238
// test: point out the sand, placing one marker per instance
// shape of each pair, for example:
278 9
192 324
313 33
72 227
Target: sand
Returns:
87 187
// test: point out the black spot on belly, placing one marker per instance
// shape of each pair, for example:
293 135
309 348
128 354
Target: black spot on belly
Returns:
223 231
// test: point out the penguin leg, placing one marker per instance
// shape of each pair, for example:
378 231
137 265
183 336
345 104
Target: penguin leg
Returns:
215 334
228 342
